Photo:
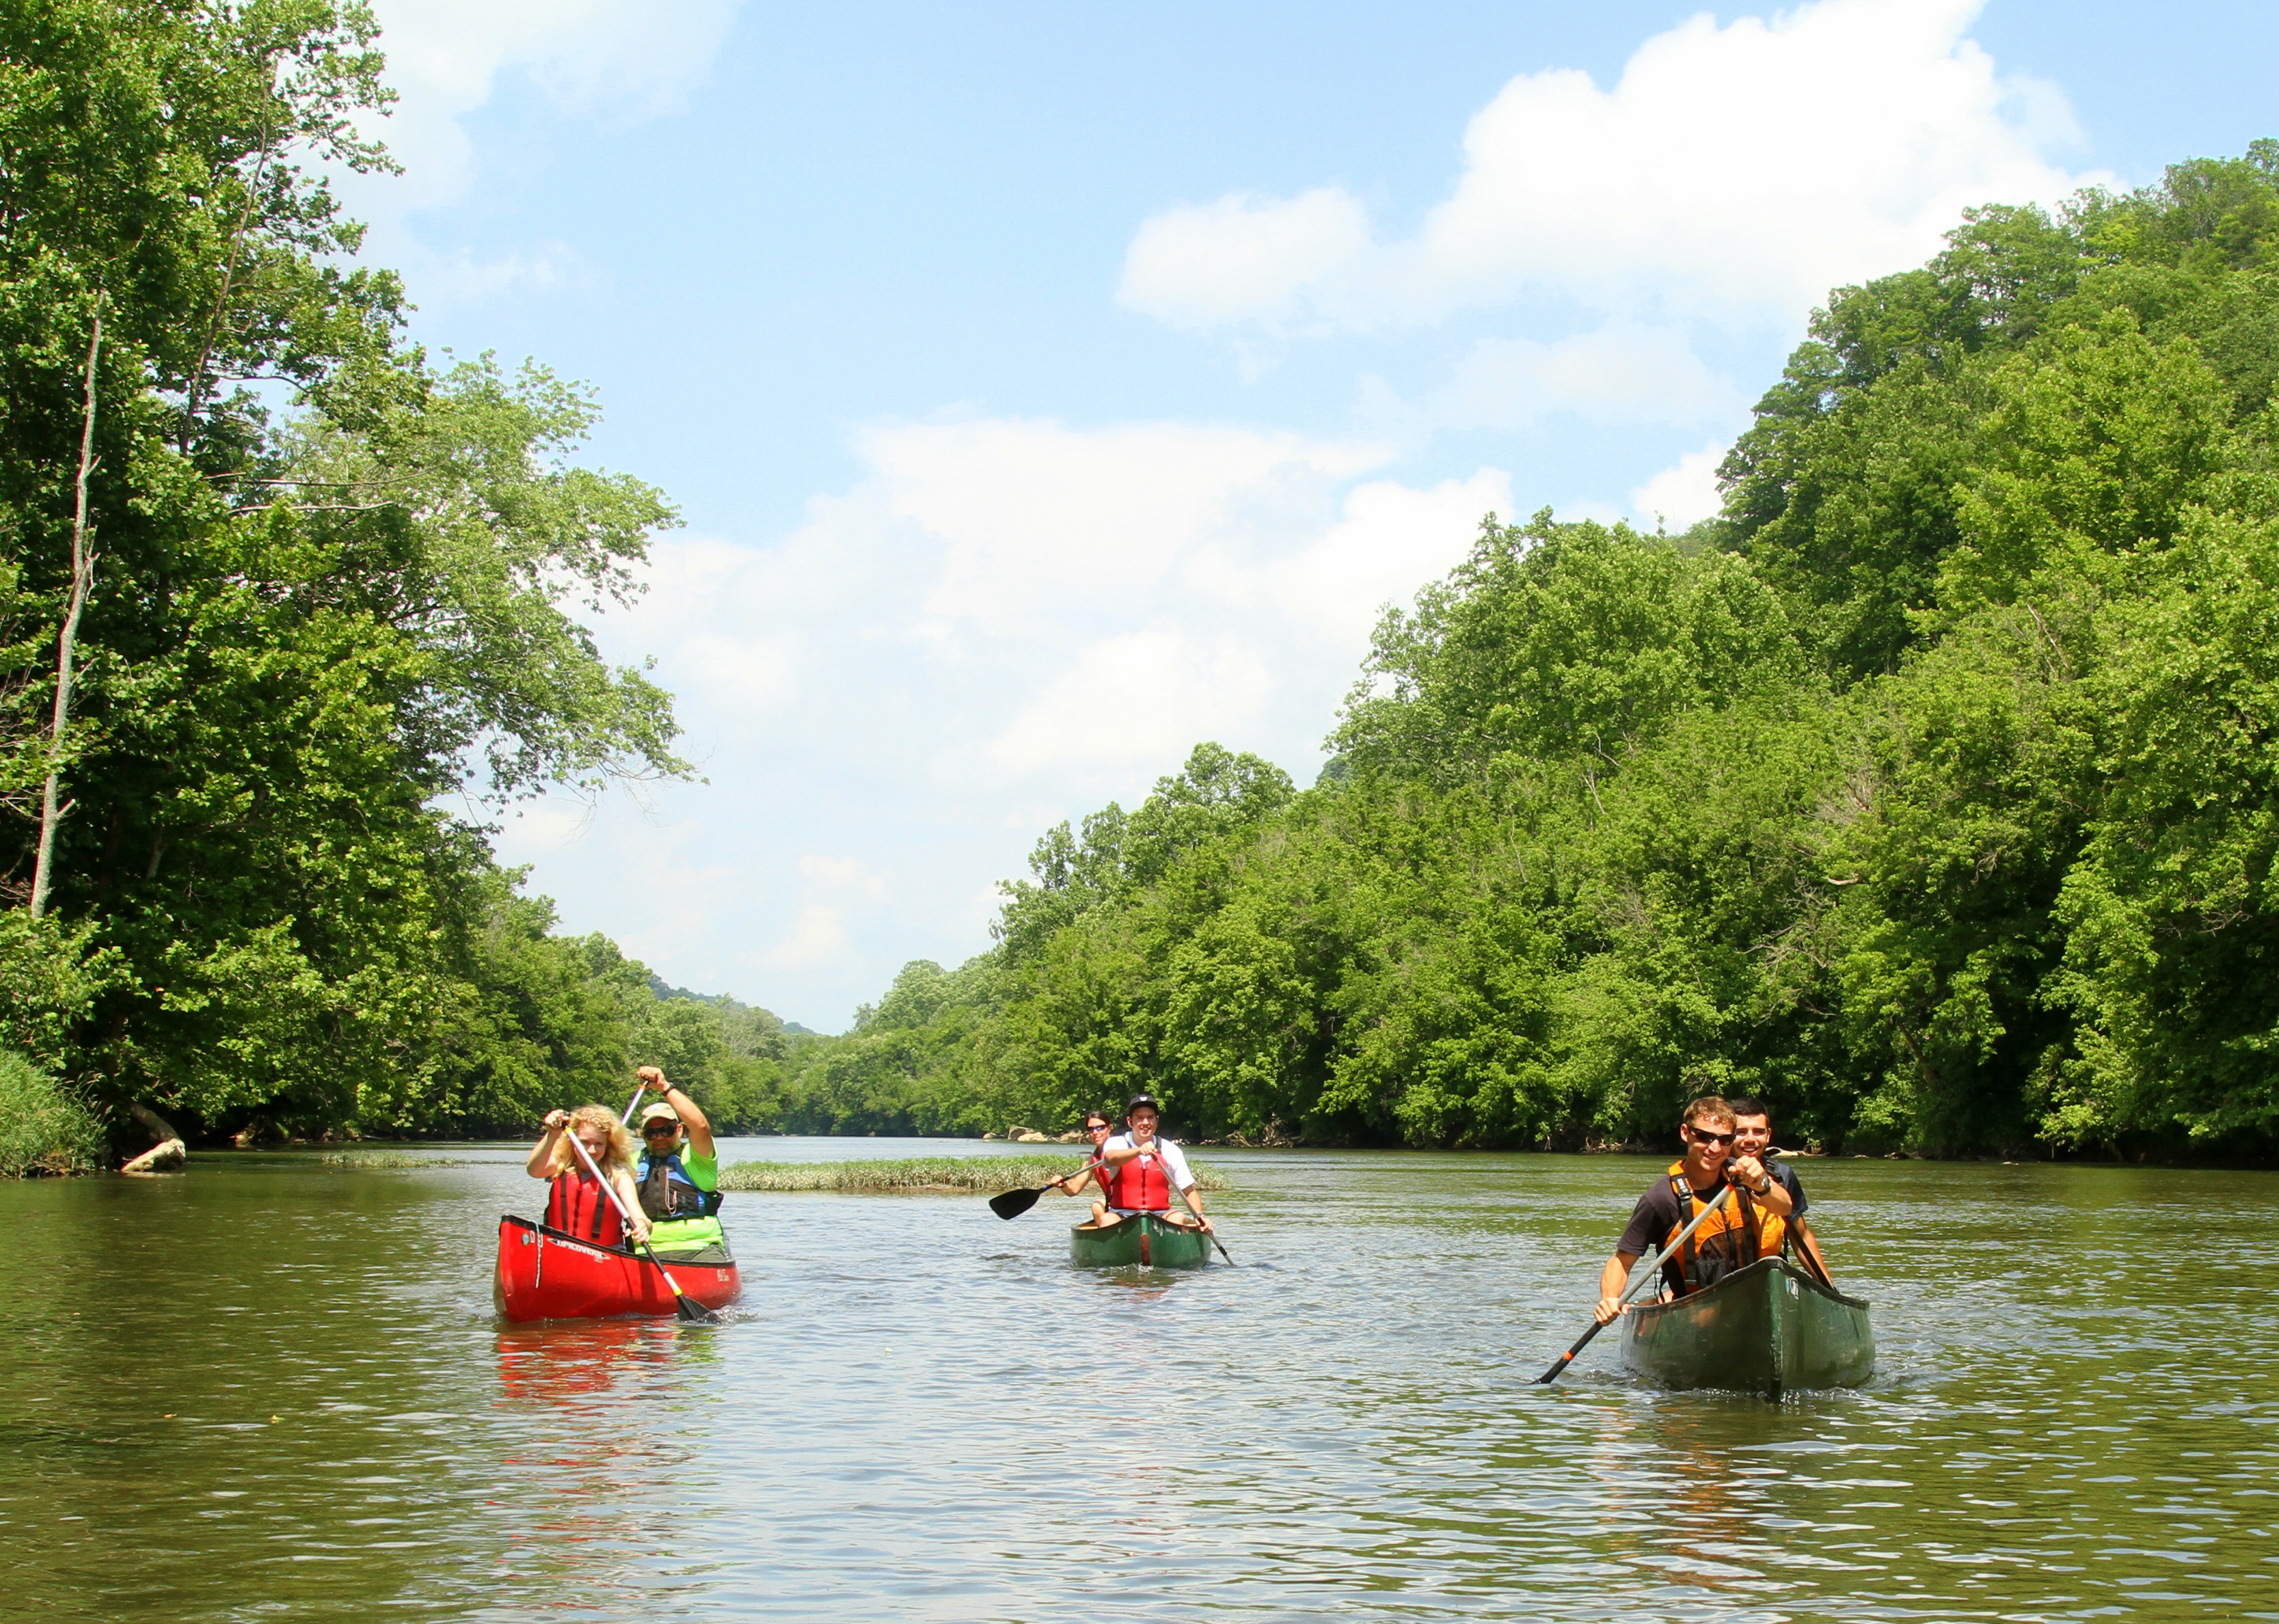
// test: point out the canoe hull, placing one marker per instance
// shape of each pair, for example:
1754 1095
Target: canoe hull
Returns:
1143 1239
543 1274
1769 1328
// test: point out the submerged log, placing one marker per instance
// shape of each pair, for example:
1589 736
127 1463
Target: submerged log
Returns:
169 1151
159 1158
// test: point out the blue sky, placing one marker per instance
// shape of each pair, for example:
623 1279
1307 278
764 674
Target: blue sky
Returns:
1049 387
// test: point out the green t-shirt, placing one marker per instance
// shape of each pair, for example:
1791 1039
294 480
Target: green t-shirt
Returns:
692 1234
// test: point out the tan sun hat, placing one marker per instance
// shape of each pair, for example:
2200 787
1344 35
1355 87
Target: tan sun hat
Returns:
659 1110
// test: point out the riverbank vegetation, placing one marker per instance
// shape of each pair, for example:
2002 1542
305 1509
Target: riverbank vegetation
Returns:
287 613
1926 792
45 1127
919 1175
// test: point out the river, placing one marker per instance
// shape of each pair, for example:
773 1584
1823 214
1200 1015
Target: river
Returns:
271 1389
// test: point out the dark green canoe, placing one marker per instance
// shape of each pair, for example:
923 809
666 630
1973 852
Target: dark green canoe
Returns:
1766 1328
1143 1238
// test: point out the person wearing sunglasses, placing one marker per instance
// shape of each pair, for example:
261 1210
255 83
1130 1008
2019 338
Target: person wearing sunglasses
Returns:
1096 1129
679 1170
1750 1223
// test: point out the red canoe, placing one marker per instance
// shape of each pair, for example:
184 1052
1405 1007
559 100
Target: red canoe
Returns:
546 1275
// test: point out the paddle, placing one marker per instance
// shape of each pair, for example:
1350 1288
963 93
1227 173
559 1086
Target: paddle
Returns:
1807 1244
639 1091
1676 1241
1807 1247
1198 1217
1013 1203
690 1309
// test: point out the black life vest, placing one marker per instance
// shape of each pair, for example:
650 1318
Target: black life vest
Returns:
667 1192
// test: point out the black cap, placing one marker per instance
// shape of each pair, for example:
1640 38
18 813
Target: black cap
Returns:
1138 1100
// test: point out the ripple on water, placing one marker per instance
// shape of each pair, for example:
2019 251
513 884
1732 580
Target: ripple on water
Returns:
269 1390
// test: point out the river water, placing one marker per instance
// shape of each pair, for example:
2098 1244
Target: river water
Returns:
271 1389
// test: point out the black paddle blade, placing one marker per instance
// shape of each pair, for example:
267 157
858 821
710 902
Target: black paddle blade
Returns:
694 1312
1013 1203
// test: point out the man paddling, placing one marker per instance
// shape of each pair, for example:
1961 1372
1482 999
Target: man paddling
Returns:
1143 1170
679 1173
1753 1137
1750 1221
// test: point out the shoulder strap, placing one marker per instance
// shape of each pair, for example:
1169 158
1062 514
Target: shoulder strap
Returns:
1684 1191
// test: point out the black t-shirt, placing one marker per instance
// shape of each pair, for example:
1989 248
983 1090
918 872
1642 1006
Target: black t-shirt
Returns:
1654 1216
1787 1174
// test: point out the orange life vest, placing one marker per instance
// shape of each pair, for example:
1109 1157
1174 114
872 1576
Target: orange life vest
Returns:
1735 1236
576 1205
1139 1185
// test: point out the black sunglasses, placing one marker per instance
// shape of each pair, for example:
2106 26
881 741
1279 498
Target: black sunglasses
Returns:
1095 1127
1700 1137
647 1128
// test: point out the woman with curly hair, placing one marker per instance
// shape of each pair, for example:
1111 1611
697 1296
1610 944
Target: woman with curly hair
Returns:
577 1203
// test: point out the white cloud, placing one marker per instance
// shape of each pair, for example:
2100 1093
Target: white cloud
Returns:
1255 249
849 875
1145 695
1005 606
817 939
1683 493
1734 169
1002 623
1620 373
606 59
1389 540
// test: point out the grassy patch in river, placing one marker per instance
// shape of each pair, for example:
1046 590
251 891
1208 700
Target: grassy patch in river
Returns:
390 1158
918 1175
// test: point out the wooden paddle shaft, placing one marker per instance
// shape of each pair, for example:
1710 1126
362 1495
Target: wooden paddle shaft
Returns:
1634 1287
1198 1217
609 1190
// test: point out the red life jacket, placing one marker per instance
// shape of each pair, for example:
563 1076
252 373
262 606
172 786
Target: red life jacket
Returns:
577 1205
1139 1185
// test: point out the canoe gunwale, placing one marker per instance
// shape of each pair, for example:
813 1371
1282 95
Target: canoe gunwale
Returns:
688 1259
1769 1327
1755 1271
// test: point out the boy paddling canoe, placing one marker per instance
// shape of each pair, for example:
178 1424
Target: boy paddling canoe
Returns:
1750 1221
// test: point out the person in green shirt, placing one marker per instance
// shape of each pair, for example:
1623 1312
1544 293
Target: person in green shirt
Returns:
679 1171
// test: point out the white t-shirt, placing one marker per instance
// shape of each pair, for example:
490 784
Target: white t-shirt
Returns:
1175 1160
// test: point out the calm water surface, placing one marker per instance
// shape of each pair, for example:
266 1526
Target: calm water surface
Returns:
272 1389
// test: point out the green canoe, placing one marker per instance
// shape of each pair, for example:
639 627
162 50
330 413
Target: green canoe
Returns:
1143 1238
1766 1328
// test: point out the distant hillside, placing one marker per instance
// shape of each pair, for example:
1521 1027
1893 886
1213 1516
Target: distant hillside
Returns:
666 990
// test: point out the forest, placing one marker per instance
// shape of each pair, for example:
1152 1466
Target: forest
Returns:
1927 791
288 616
